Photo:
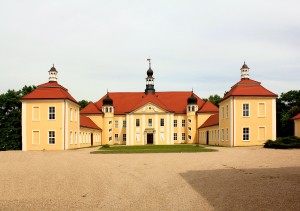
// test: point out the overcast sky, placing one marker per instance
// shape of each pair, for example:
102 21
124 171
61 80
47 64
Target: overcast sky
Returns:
99 45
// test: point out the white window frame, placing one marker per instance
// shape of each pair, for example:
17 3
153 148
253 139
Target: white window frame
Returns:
137 137
71 114
116 124
162 136
259 134
36 120
51 137
183 136
71 137
183 123
222 134
258 111
75 137
245 110
51 113
39 137
150 122
162 122
124 123
227 111
175 123
124 138
137 123
175 136
222 112
116 137
227 134
244 140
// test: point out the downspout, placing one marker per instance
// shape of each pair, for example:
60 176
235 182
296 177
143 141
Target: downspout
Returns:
233 122
64 124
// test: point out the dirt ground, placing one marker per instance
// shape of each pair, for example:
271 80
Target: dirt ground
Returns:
251 178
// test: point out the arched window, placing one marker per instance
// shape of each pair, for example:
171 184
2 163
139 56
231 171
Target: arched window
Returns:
106 109
189 108
110 110
193 108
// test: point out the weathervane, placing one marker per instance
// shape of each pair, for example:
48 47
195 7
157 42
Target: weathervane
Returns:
149 60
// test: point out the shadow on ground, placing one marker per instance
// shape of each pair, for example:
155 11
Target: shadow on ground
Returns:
248 189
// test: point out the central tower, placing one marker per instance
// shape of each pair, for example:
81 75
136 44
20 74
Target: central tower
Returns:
149 80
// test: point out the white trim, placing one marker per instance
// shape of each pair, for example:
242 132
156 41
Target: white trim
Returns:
243 134
49 137
171 115
273 119
259 134
24 128
39 119
249 109
33 136
54 113
258 110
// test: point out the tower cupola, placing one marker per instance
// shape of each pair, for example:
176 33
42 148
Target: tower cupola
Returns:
244 72
52 74
149 80
107 106
192 103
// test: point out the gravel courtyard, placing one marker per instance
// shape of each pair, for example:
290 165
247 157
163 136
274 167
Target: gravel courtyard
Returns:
250 178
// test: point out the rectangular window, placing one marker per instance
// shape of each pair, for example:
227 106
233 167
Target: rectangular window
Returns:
222 134
261 133
35 113
116 124
175 136
150 122
116 137
183 136
51 137
222 112
80 138
124 137
261 110
227 134
124 123
137 122
183 123
71 114
75 115
227 108
246 134
246 110
162 136
35 137
71 137
75 138
137 137
175 123
51 112
162 122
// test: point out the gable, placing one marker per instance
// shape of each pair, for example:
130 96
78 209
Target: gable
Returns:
149 108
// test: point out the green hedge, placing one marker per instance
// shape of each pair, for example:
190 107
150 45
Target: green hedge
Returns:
284 143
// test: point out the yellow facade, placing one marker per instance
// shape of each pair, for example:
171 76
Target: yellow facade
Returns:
254 128
49 124
209 135
297 127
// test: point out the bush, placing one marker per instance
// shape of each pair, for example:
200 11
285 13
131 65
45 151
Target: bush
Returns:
284 143
106 146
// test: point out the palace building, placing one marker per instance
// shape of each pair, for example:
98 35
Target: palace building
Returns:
51 119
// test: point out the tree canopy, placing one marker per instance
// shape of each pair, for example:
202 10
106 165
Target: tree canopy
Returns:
83 103
10 118
215 99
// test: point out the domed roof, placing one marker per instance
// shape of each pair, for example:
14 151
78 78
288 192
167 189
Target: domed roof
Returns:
149 72
192 99
53 69
107 101
245 66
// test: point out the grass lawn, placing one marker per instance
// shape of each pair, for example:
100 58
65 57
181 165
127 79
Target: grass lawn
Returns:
153 149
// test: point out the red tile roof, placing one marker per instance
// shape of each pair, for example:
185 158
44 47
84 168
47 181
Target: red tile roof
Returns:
296 117
211 121
87 122
125 102
248 87
208 107
91 108
50 90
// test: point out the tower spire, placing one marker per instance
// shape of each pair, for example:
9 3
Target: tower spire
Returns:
149 80
244 71
52 74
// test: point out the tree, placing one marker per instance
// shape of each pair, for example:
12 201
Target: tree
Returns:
10 118
215 99
288 105
83 103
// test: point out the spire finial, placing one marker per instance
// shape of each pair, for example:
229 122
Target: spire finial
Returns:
149 60
53 65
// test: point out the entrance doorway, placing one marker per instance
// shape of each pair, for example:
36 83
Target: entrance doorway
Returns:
92 139
207 137
149 138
